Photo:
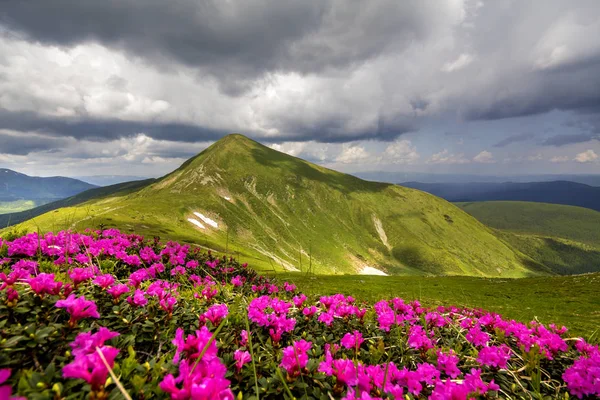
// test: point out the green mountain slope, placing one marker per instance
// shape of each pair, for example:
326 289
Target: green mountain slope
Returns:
280 211
565 239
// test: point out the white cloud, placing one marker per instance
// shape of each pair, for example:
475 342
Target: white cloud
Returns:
445 157
401 152
484 157
586 156
352 154
535 157
559 159
461 62
291 148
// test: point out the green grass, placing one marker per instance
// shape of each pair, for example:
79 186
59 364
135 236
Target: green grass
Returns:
567 222
573 301
16 206
284 210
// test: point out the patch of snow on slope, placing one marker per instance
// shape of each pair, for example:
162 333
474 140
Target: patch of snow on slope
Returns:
372 271
196 222
206 220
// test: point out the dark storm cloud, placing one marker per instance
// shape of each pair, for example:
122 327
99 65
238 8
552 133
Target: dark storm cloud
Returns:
331 131
565 139
521 137
21 145
235 42
535 92
105 130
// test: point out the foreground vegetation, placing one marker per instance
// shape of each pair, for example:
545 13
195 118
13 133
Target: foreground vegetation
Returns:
105 315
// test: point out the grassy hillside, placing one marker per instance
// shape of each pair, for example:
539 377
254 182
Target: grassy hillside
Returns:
572 300
120 189
565 239
278 211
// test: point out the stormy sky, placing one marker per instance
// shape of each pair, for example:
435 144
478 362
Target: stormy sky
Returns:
135 87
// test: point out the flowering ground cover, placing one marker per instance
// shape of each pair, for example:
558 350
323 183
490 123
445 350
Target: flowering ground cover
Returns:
105 315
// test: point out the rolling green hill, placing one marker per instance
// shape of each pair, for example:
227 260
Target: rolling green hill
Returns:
281 212
565 239
566 222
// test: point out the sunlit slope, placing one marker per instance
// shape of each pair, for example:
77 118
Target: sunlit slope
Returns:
283 211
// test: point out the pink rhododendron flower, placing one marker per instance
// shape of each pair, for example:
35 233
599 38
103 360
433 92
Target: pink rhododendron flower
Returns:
117 290
6 390
583 377
45 284
104 281
79 275
418 339
352 340
299 300
244 338
138 298
288 287
477 336
295 357
88 364
309 311
494 356
447 363
241 358
215 314
198 378
237 281
79 308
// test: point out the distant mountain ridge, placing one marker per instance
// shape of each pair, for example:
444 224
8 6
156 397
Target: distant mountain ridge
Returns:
108 180
557 192
241 197
17 187
424 177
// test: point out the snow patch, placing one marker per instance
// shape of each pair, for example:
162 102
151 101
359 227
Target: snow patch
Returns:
227 198
372 271
206 220
196 222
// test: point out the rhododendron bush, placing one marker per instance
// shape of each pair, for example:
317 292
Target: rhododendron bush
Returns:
101 314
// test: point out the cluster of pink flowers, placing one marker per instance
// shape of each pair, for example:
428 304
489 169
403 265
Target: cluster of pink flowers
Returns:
199 377
295 357
78 308
338 306
397 314
271 313
215 314
88 364
6 390
583 377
